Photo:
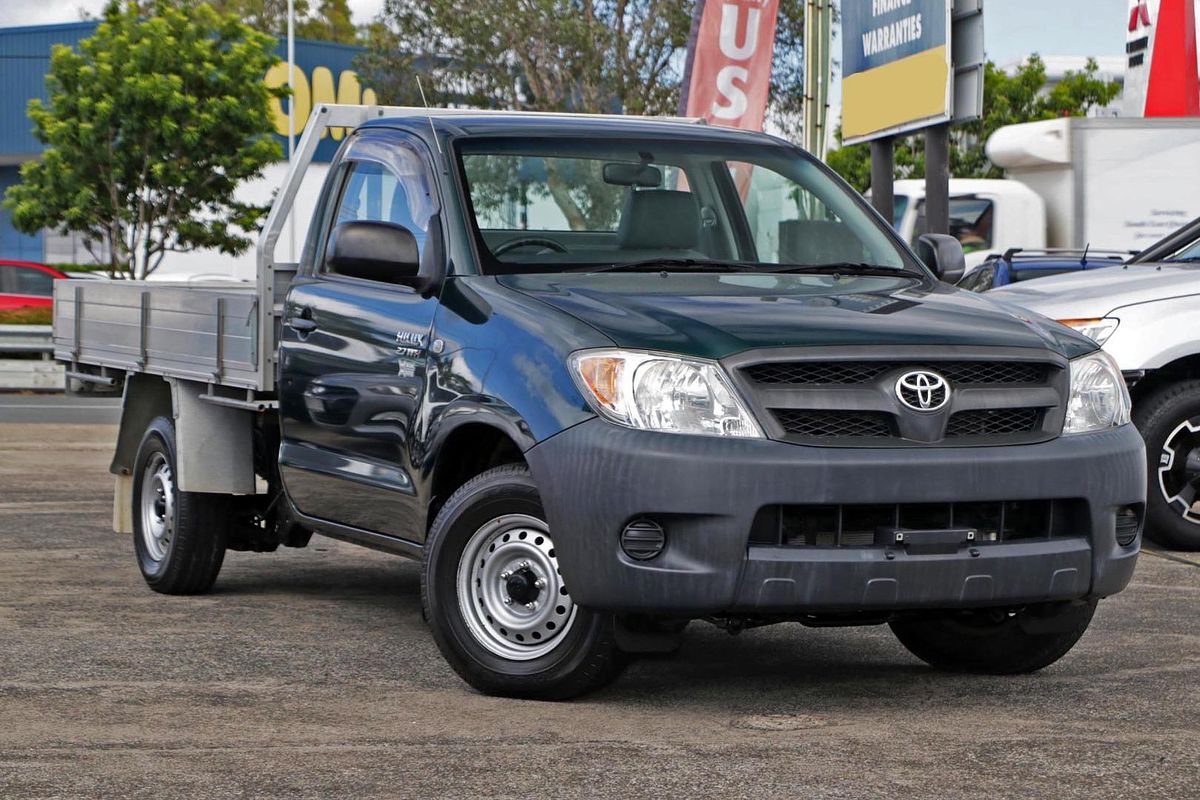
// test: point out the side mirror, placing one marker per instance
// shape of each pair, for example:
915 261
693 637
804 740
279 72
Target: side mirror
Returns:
377 251
943 254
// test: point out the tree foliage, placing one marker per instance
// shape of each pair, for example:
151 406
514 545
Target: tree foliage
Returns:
1007 100
590 56
150 126
330 21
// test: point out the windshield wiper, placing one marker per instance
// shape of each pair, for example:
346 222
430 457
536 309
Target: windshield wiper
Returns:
719 265
668 264
837 268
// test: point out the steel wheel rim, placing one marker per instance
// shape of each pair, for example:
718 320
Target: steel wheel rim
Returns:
499 596
157 507
1179 470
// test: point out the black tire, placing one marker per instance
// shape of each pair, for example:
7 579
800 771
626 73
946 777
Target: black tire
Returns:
1160 417
584 654
190 558
996 642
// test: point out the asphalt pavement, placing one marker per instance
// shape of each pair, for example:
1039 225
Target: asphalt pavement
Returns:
310 674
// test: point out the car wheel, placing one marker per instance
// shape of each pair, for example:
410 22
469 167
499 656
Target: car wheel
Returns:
500 612
1169 421
179 537
996 641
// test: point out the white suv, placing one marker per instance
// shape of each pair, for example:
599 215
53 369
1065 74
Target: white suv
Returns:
1146 314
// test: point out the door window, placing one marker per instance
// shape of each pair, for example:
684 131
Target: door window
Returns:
970 222
399 193
33 282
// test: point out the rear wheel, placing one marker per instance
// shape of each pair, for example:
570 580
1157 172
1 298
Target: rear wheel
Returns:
499 609
1169 421
996 641
179 537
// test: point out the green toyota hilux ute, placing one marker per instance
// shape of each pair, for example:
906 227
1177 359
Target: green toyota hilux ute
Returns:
605 376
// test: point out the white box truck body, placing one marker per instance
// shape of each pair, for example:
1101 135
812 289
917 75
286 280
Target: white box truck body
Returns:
1106 183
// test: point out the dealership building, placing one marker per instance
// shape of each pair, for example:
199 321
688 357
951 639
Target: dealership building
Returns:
323 72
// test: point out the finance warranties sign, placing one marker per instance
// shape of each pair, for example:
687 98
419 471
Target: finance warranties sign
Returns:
896 66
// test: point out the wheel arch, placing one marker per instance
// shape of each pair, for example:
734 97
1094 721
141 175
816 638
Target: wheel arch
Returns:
467 449
1185 368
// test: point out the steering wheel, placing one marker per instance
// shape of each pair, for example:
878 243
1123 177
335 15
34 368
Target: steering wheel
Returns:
528 241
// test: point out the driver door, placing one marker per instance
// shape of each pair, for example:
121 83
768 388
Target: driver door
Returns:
353 354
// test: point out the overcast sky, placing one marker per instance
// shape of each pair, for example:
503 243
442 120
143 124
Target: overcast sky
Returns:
1013 28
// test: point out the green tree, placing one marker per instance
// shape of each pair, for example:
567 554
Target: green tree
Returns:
150 126
331 22
1007 100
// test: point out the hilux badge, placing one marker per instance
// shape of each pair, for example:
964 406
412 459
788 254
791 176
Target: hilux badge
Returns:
923 391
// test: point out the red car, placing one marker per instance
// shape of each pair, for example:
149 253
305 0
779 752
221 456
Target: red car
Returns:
24 284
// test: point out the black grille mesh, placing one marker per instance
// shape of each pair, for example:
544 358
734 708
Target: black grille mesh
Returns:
962 373
834 424
855 525
994 422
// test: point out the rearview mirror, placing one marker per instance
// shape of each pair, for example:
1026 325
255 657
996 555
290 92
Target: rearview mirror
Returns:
375 251
943 255
642 175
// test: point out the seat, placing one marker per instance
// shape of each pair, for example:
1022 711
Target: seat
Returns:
659 219
818 241
400 212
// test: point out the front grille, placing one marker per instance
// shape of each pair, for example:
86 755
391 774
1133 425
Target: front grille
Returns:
841 373
857 401
872 525
834 424
994 422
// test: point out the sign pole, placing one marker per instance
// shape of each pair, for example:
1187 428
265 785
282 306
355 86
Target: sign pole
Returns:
882 171
937 178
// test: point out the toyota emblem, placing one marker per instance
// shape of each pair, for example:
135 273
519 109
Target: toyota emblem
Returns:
922 390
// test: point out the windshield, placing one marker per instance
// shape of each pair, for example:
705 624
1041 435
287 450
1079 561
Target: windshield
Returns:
1189 253
584 204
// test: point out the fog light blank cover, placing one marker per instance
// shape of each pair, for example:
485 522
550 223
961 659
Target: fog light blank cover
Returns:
643 539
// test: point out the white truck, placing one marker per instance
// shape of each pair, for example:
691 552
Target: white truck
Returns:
1146 314
1105 183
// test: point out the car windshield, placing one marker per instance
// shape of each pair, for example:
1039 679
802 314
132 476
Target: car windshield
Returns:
591 204
1191 252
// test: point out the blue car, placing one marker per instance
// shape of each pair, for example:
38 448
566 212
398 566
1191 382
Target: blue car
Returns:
1016 265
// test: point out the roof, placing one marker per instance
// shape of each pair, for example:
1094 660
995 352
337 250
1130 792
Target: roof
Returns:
524 123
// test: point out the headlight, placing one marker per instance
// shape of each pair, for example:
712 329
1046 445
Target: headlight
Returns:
1099 399
662 393
1098 330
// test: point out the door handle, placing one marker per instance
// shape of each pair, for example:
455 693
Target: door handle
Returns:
303 322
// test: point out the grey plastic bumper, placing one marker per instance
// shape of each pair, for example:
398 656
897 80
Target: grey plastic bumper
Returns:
596 477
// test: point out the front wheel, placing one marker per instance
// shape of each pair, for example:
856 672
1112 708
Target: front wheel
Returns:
500 611
1169 421
996 641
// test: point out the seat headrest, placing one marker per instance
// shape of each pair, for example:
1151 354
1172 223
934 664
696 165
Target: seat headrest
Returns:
659 219
818 241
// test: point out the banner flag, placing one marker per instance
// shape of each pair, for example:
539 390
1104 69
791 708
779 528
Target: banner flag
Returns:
728 72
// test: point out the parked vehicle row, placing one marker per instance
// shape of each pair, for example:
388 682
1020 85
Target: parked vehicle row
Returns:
1145 314
1017 264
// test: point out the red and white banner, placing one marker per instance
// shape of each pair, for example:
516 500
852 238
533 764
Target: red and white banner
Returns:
729 62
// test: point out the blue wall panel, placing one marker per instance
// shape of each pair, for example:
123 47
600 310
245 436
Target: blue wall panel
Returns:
13 243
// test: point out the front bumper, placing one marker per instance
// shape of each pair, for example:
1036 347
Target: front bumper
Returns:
595 478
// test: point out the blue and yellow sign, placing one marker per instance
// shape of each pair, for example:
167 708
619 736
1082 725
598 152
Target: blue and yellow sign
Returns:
896 73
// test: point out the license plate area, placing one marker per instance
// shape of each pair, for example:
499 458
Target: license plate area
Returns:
919 542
